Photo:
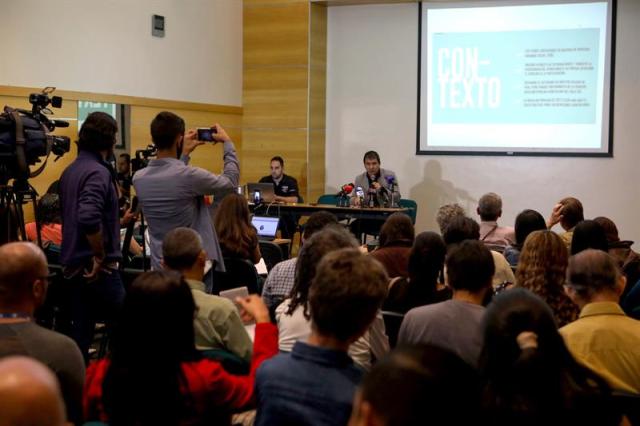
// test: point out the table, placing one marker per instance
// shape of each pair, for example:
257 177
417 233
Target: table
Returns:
370 214
377 213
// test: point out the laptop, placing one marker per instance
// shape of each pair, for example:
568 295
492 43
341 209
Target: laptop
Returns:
267 194
266 226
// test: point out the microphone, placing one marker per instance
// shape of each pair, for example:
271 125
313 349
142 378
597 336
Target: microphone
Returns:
345 189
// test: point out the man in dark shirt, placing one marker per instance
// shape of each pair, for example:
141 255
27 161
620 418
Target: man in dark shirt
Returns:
285 186
90 249
286 191
23 288
316 382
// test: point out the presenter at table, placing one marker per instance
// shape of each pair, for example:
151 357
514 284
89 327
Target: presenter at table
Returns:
378 184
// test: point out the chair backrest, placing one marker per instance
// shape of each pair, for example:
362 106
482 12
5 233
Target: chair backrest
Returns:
330 199
271 253
412 206
392 323
239 273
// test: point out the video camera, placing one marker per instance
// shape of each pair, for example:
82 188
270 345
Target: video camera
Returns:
142 158
24 138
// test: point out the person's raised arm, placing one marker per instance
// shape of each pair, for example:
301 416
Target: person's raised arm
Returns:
206 183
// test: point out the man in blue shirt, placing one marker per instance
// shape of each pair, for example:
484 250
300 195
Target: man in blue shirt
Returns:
90 249
316 382
171 192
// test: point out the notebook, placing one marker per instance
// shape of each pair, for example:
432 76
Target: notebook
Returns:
266 227
266 191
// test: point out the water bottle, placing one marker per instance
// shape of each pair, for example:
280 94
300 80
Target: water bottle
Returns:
360 195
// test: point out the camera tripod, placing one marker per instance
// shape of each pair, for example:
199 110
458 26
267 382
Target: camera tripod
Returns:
11 213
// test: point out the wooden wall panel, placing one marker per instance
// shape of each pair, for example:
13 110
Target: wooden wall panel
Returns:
317 101
284 90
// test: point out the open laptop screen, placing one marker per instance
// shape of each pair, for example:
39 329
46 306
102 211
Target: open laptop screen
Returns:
266 226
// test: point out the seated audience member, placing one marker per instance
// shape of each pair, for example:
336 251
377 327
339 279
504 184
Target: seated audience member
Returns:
316 382
542 270
23 288
455 324
280 280
527 221
217 322
426 263
29 394
418 385
238 238
293 315
154 375
496 237
462 228
588 234
603 338
446 213
568 213
396 239
628 260
48 215
531 377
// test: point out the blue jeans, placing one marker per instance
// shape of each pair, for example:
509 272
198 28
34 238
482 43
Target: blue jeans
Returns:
92 301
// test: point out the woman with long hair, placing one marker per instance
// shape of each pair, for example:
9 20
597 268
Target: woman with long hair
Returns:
154 374
530 376
542 269
396 238
238 238
426 263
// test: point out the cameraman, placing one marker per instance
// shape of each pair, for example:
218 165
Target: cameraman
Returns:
172 193
90 249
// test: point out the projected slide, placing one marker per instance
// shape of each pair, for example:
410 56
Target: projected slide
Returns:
515 79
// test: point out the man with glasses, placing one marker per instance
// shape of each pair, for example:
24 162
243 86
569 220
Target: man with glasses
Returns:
23 288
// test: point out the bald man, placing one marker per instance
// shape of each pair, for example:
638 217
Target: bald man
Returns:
603 337
23 288
29 394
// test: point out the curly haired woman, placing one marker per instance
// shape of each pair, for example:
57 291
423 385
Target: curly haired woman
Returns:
542 268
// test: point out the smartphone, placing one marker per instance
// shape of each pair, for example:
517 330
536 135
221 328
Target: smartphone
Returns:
206 134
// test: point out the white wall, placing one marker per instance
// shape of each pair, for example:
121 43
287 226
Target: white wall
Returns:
371 104
105 46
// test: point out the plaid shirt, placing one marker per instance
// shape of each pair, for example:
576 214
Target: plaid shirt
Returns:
279 283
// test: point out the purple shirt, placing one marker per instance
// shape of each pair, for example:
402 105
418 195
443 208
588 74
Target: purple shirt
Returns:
89 202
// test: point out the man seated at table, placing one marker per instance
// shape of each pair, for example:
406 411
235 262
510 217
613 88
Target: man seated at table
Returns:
286 191
285 186
380 188
378 184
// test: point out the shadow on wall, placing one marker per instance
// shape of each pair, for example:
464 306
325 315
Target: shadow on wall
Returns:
432 191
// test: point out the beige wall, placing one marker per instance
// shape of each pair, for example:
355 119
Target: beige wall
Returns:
106 47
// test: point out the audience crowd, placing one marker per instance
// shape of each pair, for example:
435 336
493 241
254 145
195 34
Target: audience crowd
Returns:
480 323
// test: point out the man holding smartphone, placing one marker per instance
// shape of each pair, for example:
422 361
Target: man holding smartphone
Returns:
172 193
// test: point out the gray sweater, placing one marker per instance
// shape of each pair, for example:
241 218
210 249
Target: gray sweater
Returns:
171 195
